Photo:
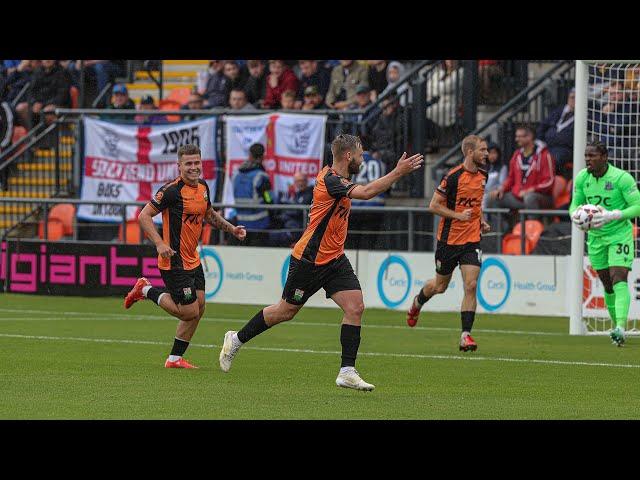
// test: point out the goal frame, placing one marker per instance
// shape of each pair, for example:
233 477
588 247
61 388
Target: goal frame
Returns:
577 323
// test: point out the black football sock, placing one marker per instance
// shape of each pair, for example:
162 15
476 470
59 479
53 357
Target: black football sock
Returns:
179 347
254 327
421 299
350 340
467 320
154 293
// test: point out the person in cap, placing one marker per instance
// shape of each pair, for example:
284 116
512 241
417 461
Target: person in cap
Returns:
147 103
363 97
312 74
312 99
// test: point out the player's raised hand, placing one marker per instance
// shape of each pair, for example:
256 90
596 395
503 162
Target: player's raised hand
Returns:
465 215
409 164
165 251
239 232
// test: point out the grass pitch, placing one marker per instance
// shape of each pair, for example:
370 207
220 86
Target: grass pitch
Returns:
79 358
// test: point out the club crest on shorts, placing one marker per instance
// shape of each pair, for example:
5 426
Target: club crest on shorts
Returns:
438 265
187 293
298 294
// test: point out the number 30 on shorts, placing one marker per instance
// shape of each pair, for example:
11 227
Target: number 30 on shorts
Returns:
622 248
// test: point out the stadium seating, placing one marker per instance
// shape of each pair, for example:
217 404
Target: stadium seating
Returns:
511 241
55 230
133 232
60 222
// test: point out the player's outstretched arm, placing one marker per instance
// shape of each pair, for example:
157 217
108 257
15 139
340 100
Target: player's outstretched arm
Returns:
438 206
145 219
405 166
215 219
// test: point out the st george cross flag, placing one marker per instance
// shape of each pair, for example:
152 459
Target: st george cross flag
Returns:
130 162
293 143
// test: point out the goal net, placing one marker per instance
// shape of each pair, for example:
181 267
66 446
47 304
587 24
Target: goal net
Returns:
608 110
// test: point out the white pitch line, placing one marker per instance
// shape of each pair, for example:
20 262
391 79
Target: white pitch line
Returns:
127 317
327 352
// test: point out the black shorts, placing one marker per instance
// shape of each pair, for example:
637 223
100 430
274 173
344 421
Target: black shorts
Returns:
448 257
182 284
305 278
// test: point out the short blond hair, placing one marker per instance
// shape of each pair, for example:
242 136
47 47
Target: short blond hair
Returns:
343 143
471 142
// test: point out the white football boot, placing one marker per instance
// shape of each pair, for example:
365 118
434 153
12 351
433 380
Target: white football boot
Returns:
228 351
350 378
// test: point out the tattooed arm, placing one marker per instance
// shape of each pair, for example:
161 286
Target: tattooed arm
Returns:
215 219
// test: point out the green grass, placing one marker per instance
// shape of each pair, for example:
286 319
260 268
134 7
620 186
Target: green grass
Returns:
70 378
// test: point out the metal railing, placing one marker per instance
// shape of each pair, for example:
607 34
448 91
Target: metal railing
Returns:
519 103
392 228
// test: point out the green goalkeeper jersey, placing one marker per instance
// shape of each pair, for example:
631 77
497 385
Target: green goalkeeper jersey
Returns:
615 190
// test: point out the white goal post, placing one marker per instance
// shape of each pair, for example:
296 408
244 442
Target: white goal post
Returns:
607 109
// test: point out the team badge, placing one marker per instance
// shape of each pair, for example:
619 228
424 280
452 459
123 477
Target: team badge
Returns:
608 186
298 294
204 195
159 196
187 293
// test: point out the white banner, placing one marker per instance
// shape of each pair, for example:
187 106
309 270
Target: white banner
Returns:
531 285
293 143
131 162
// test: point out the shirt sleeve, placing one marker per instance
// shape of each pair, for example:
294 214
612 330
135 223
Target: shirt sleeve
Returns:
337 186
443 188
208 194
578 197
165 197
631 196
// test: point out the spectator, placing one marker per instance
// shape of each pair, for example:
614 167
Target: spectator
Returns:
49 86
103 71
312 75
251 185
147 103
442 94
280 79
215 91
312 99
395 71
121 101
529 183
345 78
288 100
496 173
238 100
557 132
377 77
256 86
489 72
299 193
17 79
387 133
363 98
195 102
234 79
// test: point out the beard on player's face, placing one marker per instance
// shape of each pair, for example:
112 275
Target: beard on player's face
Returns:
353 166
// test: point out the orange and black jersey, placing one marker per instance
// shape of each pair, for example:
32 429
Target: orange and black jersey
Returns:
183 210
463 190
323 240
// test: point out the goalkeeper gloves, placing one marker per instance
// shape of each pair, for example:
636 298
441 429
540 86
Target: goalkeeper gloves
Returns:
605 216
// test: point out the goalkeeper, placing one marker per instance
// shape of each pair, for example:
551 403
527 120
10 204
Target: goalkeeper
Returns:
610 241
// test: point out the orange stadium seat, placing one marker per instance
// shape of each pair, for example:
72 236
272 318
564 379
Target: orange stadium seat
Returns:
532 232
55 230
64 213
559 187
169 104
180 95
133 232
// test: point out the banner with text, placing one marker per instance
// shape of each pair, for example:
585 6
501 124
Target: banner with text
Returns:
130 163
293 143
